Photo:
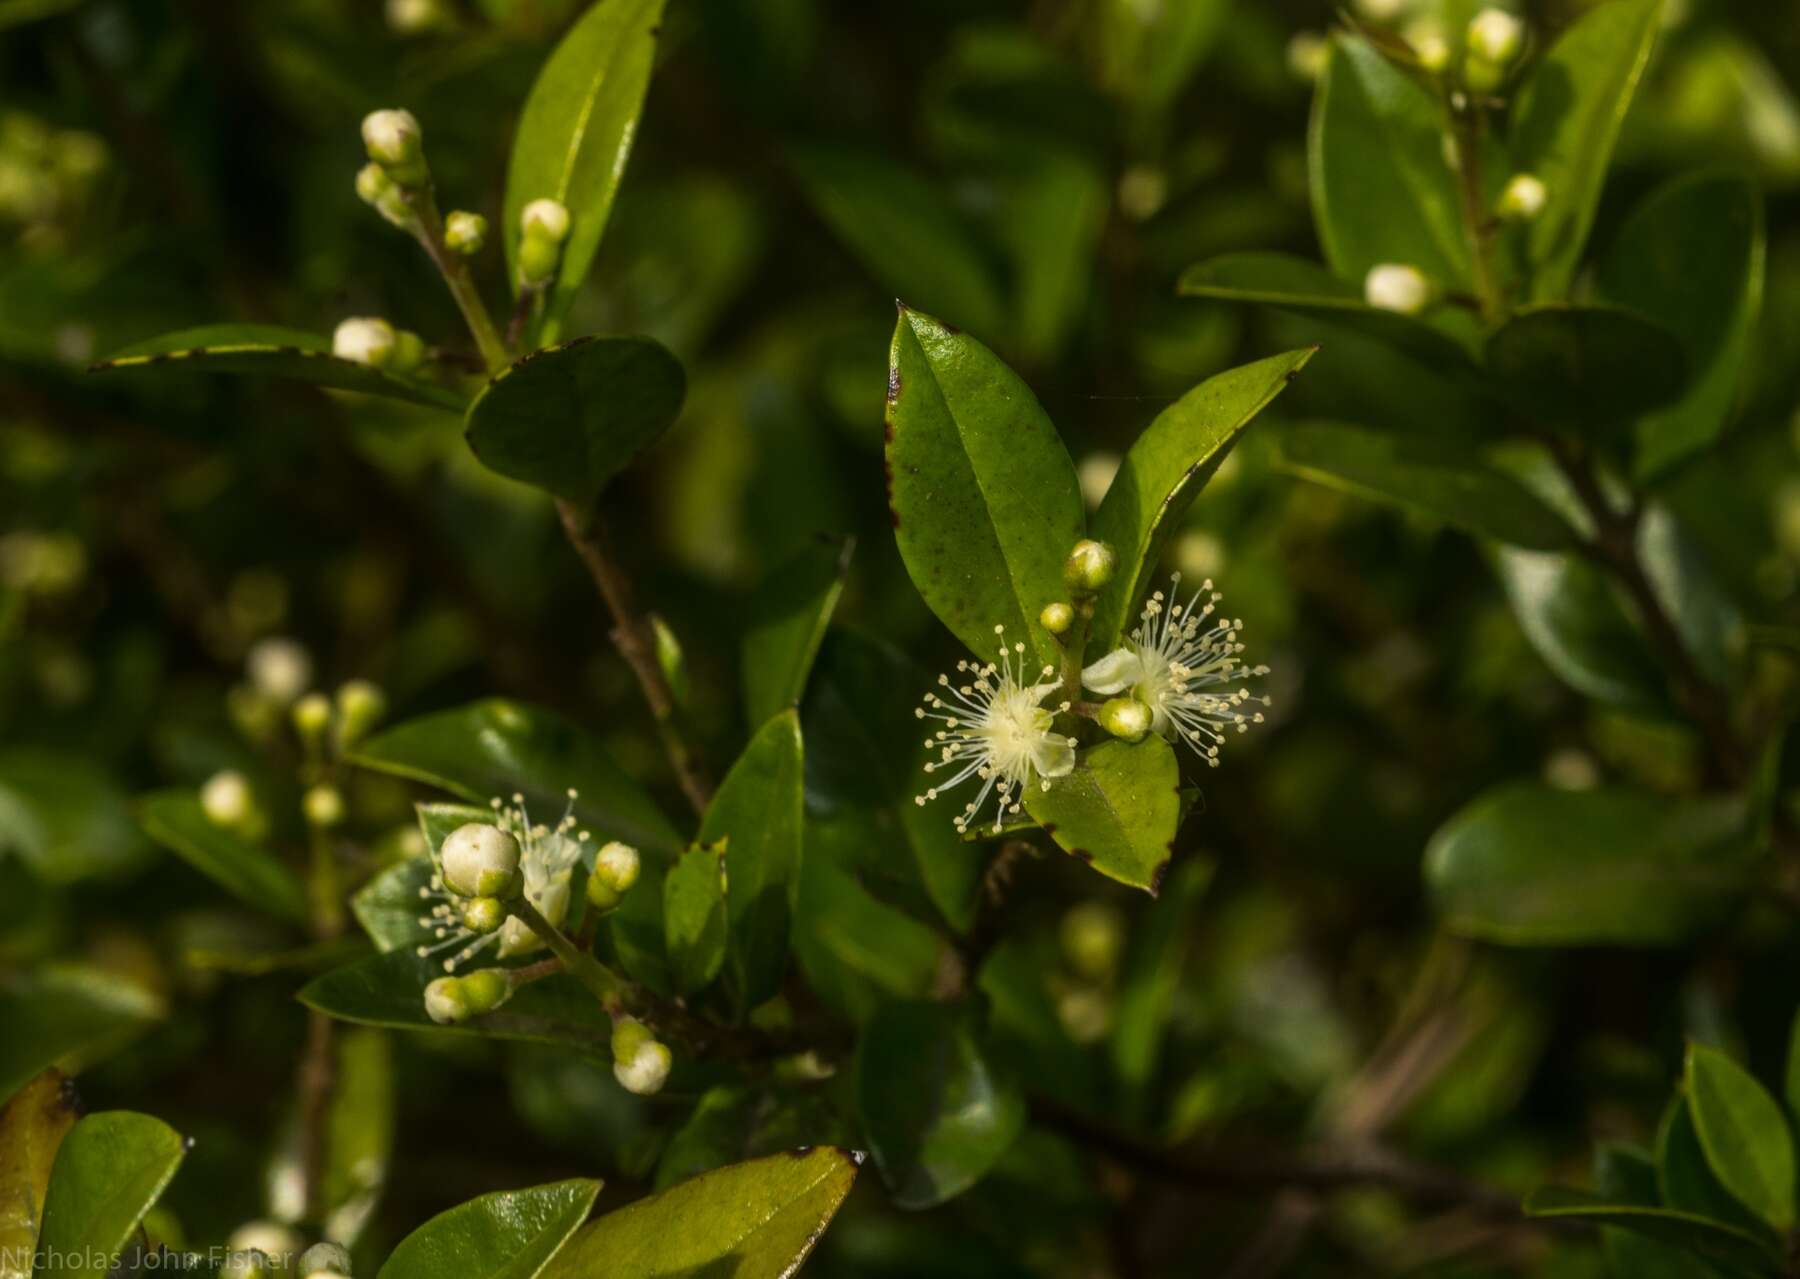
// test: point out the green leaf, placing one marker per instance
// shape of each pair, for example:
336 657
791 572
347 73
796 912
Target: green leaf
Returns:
1691 258
904 232
854 947
1527 865
694 916
174 819
59 1013
1575 622
495 747
65 817
1585 368
263 350
734 1122
32 1127
1744 1133
756 814
510 1234
1381 189
1164 472
1706 1239
1294 284
359 1133
984 498
755 1220
109 1171
1052 212
1564 122
936 1114
1117 811
571 417
1445 479
788 617
389 990
575 135
1684 1179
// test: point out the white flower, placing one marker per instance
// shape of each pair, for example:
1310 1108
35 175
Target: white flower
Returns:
1180 666
646 1071
366 340
1393 286
548 856
996 730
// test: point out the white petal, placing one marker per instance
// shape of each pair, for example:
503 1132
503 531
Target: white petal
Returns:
1114 673
1053 756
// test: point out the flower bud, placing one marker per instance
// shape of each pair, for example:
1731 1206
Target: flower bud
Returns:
480 861
395 142
1089 566
373 184
1126 718
275 1242
227 801
323 806
312 716
628 1035
409 352
546 220
416 17
360 706
646 1071
486 989
445 1002
465 233
325 1261
1057 618
1496 37
364 340
1393 286
279 668
1092 936
1307 53
483 915
1429 45
615 871
537 261
1523 199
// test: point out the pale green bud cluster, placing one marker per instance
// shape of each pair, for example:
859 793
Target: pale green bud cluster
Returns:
450 1001
395 142
640 1063
478 860
616 868
381 193
543 226
1090 567
465 233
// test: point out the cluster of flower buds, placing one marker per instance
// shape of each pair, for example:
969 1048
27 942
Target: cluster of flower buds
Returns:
543 226
450 1001
465 233
395 141
640 1062
371 340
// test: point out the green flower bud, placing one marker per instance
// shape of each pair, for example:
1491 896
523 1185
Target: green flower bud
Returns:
395 142
1523 199
373 185
537 260
409 352
323 806
445 1002
1126 718
480 861
486 989
1057 618
1093 937
360 705
617 864
1496 37
646 1071
364 340
325 1261
483 914
312 716
545 220
465 233
1089 566
628 1036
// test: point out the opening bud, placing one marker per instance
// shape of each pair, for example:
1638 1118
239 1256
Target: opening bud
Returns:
646 1071
1126 718
480 861
1089 566
1057 618
325 1261
1523 199
615 871
312 716
445 1002
323 806
628 1036
1393 286
483 914
1496 37
395 142
465 232
365 340
545 220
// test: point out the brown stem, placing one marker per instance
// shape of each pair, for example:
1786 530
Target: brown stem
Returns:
636 642
316 1080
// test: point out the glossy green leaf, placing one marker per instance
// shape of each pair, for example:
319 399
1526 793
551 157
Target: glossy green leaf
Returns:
493 748
1442 478
855 948
32 1127
1624 1175
1564 122
904 233
571 417
1745 1135
731 1123
1585 368
1576 623
510 1234
984 498
1117 811
1381 190
575 135
1528 865
937 1115
1691 259
1709 1240
359 1133
66 817
174 819
389 990
263 350
58 1014
1164 472
788 617
1684 1179
694 916
757 816
109 1171
755 1220
1682 575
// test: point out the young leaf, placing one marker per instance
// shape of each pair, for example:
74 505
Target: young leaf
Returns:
1164 472
571 417
1684 1179
174 819
1691 259
755 1220
1443 478
1709 1240
1564 122
109 1171
937 1115
495 747
1527 865
61 1012
575 135
1745 1135
1575 622
904 232
32 1127
1381 190
1585 368
984 498
510 1234
262 350
757 816
694 916
788 617
1117 811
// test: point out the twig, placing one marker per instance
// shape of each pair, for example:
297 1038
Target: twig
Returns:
428 229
